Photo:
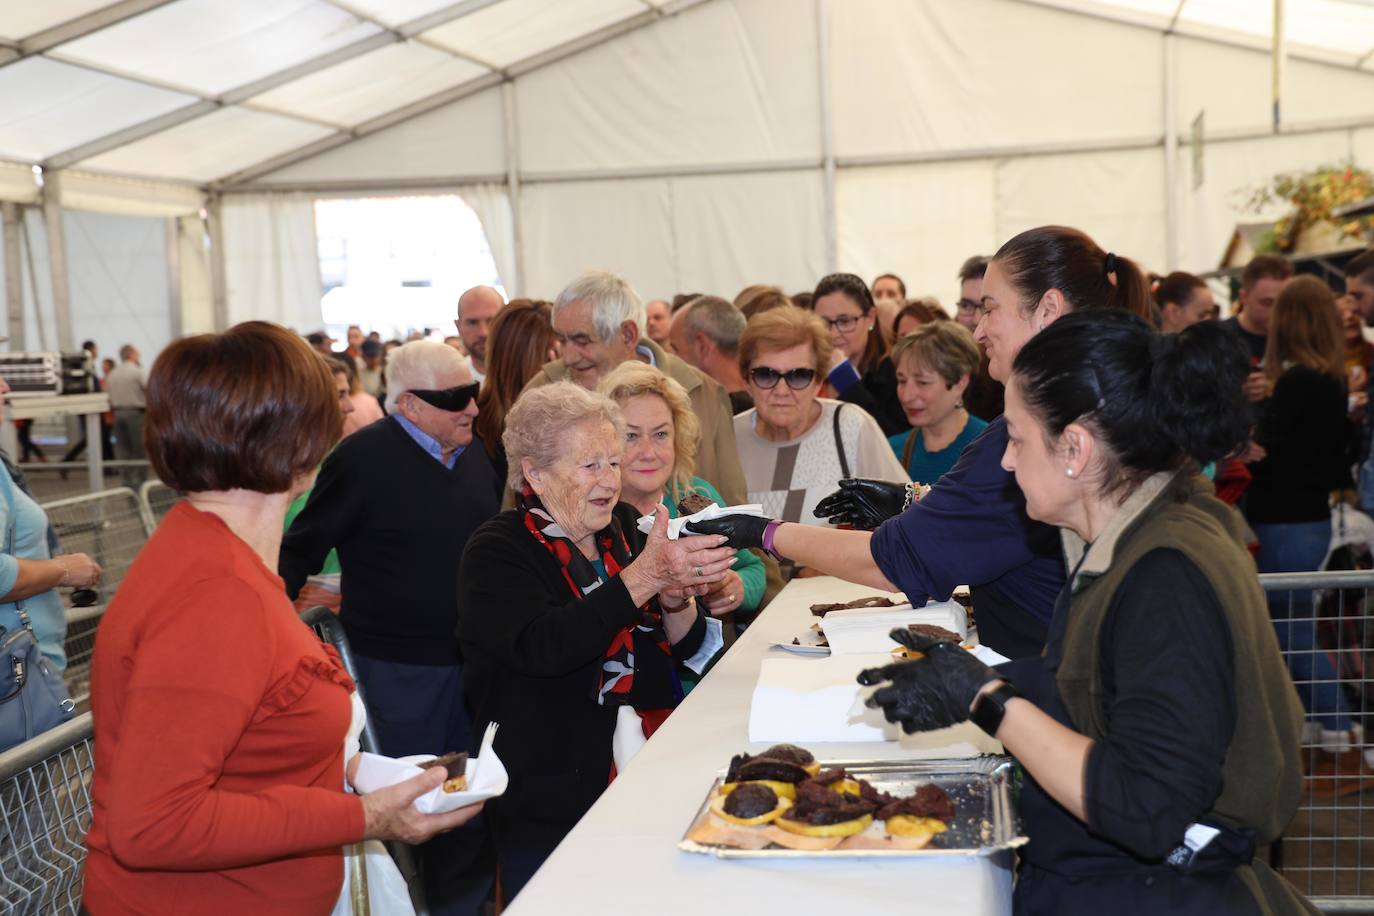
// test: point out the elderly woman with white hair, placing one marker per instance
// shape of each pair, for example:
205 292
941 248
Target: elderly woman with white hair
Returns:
573 624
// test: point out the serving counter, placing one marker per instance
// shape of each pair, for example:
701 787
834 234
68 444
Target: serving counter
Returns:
623 855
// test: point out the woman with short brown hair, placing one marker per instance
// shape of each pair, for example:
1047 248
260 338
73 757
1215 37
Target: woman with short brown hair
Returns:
220 719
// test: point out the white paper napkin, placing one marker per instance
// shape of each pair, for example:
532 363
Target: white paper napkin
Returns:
487 777
801 700
865 630
646 522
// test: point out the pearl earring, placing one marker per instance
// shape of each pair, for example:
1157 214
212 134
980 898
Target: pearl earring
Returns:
1068 471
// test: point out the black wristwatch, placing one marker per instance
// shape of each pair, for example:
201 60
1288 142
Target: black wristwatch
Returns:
991 707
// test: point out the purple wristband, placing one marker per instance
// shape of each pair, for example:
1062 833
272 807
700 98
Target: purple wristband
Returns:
768 532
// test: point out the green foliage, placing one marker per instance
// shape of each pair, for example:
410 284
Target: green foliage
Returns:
1313 196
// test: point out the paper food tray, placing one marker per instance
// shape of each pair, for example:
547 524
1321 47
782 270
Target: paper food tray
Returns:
675 525
487 778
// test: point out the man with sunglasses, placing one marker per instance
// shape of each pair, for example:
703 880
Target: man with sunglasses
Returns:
398 499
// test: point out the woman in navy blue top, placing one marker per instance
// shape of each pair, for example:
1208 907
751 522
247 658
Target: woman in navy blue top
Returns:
972 529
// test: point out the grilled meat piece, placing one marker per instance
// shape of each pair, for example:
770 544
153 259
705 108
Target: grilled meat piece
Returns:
768 768
934 632
928 801
820 610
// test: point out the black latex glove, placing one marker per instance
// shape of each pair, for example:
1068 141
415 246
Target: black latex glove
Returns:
862 503
927 693
744 531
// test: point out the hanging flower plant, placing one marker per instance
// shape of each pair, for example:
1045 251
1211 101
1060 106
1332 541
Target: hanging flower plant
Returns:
1313 196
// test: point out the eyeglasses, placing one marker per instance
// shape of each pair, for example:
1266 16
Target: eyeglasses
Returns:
767 377
968 305
450 399
844 324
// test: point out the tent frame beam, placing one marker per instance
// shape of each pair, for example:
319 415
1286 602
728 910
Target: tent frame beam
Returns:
426 105
79 27
243 93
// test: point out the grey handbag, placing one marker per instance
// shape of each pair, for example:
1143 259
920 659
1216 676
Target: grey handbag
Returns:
33 697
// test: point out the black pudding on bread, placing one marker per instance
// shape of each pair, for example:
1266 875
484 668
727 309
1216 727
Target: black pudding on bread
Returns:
750 800
791 753
693 503
455 763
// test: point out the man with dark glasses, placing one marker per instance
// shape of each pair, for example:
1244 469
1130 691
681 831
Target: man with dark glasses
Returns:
399 499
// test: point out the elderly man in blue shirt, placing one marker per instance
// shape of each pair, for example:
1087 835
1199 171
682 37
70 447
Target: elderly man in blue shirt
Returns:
398 500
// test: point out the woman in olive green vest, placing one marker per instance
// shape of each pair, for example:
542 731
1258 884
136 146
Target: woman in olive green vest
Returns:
1159 729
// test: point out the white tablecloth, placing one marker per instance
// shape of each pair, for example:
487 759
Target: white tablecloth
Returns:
623 856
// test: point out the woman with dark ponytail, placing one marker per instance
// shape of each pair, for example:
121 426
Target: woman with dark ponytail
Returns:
971 528
1159 730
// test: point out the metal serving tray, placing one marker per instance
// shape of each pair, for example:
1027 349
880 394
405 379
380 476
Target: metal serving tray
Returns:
985 812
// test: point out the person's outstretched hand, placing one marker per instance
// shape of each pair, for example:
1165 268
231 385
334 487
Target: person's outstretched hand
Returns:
862 503
927 693
388 814
741 531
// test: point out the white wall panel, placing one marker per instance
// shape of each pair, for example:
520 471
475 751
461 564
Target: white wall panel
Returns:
730 81
117 268
917 221
1208 216
1117 198
622 226
932 75
736 230
464 138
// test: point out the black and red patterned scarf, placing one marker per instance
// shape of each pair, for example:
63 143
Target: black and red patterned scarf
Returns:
639 650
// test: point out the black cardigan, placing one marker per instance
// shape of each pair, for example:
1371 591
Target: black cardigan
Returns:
399 520
533 656
876 393
1304 430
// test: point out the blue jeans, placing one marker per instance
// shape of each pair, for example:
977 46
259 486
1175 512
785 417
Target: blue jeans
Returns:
1301 547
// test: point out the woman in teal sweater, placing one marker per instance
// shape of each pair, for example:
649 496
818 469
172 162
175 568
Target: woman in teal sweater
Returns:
661 435
934 364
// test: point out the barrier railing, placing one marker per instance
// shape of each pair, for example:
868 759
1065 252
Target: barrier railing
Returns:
326 625
1325 624
111 527
45 810
156 499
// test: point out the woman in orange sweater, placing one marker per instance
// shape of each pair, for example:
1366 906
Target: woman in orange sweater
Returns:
219 718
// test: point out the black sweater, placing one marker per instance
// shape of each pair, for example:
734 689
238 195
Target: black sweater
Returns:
399 520
533 657
1304 432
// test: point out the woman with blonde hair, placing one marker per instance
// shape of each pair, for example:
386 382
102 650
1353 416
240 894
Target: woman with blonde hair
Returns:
1303 430
661 438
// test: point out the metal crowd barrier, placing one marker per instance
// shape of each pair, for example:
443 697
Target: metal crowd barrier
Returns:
156 499
111 527
1325 622
326 625
45 811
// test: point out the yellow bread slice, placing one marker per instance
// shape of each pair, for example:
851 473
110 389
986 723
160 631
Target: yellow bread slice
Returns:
910 825
718 809
842 829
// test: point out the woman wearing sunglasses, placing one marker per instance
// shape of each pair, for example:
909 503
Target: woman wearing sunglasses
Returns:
795 446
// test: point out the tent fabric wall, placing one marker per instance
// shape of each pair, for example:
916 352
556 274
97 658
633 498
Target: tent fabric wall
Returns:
17 183
732 81
117 267
128 196
492 204
271 259
463 138
669 235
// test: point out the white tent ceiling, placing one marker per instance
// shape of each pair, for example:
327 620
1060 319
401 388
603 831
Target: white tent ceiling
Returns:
205 92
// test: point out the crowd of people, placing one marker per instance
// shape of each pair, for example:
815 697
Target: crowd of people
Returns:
1086 446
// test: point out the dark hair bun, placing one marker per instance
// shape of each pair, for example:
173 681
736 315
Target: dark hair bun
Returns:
1196 391
1156 401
